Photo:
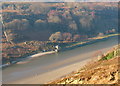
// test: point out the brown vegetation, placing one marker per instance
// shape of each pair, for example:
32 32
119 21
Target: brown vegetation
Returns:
104 72
97 72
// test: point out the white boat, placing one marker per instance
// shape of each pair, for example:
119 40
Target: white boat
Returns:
56 48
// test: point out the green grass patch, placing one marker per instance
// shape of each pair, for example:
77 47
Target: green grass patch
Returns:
108 56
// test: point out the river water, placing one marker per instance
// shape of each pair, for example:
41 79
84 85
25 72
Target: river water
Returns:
40 65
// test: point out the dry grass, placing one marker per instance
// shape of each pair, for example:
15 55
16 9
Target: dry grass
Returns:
100 72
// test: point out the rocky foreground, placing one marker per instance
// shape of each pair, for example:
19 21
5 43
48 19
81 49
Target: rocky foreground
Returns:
100 72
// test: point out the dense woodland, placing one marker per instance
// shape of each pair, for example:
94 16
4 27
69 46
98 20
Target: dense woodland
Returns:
29 28
58 21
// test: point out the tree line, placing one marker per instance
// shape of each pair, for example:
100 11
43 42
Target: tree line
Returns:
58 21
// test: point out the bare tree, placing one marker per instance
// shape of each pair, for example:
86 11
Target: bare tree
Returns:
54 19
67 36
4 31
56 36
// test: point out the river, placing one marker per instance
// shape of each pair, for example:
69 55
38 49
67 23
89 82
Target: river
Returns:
34 70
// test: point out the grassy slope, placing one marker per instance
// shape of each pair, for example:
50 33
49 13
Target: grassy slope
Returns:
104 71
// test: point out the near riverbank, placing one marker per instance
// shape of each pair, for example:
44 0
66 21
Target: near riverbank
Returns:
102 71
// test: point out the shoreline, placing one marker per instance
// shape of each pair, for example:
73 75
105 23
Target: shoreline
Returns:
41 54
79 44
36 55
66 78
57 73
31 56
90 41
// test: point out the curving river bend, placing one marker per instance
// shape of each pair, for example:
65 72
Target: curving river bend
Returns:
49 67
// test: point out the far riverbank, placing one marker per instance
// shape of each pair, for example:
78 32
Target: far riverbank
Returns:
64 48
